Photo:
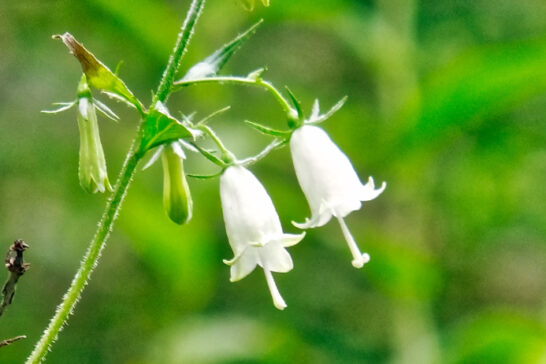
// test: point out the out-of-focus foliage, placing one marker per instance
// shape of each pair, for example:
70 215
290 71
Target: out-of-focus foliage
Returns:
447 103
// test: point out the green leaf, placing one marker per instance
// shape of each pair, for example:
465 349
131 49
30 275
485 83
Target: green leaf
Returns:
160 128
98 75
212 64
496 336
267 130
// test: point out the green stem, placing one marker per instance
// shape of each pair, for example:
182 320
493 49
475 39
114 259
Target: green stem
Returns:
241 81
113 206
89 261
184 37
277 143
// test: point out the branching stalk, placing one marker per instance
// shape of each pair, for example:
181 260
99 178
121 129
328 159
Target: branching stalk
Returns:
244 81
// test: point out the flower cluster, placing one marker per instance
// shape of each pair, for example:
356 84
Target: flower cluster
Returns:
332 189
325 174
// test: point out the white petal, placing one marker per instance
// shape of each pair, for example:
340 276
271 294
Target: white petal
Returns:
249 214
244 265
288 240
319 219
275 258
326 176
83 107
368 191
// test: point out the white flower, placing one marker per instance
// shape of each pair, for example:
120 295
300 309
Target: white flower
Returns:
254 229
329 183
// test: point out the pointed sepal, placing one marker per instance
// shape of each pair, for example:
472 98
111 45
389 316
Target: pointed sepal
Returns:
98 75
267 130
316 117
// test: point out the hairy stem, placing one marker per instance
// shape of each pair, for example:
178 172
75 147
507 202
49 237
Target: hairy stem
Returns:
90 260
184 37
113 206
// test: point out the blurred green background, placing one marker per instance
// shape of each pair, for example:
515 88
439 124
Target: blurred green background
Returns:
447 103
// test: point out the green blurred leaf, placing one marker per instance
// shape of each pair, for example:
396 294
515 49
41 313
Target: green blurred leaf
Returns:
479 83
401 271
153 24
498 338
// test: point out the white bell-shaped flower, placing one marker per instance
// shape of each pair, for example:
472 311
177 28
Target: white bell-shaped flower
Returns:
329 183
254 229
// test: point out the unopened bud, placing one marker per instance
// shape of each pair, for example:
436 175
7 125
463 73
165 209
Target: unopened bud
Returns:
92 168
176 192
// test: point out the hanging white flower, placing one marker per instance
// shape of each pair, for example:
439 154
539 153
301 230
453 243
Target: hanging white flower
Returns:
92 165
329 182
254 229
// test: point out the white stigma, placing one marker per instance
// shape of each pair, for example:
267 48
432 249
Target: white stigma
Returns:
359 259
278 301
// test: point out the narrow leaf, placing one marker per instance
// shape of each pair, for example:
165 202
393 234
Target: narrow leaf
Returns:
212 64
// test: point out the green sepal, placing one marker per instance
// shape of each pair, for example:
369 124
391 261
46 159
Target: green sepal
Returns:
267 130
98 75
210 66
256 75
160 128
317 118
201 176
293 123
211 157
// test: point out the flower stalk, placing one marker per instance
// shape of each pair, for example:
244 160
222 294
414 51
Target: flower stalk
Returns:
89 261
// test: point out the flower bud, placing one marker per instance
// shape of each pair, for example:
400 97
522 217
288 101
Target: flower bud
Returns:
176 192
92 167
